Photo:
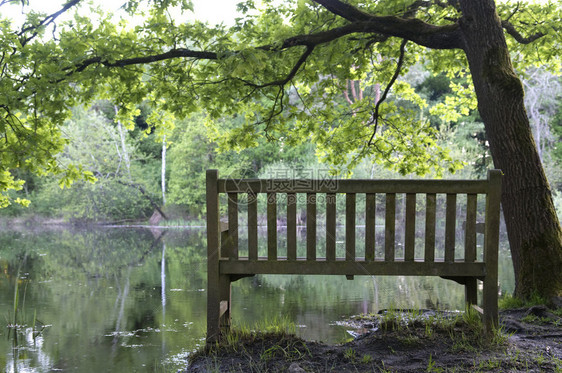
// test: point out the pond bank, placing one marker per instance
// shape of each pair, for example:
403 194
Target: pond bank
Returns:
530 341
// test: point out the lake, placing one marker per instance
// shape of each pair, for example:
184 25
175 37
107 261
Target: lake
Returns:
134 300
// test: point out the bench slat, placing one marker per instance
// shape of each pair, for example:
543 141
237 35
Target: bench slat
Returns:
271 226
330 227
352 186
291 226
311 226
252 226
470 229
350 201
450 227
232 226
430 205
343 267
370 226
410 238
389 227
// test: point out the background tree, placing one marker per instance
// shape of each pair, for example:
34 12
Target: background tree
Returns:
281 69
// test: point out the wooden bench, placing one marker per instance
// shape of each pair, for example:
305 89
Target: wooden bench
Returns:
225 265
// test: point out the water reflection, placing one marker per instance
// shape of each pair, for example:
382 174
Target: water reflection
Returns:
126 300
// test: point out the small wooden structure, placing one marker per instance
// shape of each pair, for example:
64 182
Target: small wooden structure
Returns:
225 265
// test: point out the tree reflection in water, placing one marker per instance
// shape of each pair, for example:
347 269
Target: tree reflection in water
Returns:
125 299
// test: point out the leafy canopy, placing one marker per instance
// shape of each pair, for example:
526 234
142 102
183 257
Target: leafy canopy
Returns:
283 67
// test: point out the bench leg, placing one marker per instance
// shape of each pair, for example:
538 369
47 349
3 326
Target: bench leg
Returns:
218 307
471 292
213 310
490 304
225 303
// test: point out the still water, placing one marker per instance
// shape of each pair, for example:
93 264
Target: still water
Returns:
133 300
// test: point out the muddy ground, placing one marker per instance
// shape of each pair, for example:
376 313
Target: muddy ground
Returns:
530 341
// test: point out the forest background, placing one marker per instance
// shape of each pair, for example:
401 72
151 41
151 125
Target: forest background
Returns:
143 168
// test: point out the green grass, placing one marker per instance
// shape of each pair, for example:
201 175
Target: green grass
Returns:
508 301
465 329
267 343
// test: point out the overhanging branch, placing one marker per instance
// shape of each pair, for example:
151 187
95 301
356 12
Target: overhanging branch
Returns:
416 30
437 37
395 76
511 30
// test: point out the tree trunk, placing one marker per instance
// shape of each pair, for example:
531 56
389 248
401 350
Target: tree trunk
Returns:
532 225
164 171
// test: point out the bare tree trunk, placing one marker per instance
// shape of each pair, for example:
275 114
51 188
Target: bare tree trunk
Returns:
164 171
123 145
532 225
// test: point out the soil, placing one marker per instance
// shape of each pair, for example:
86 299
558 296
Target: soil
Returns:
530 341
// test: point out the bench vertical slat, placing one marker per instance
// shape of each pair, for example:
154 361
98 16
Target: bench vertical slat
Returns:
370 226
430 205
410 237
271 226
470 286
350 201
252 226
291 226
491 243
213 253
389 227
470 229
330 227
450 224
232 226
311 226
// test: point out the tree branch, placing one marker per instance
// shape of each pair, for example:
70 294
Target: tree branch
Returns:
387 89
517 36
436 37
173 53
293 72
47 20
422 33
344 10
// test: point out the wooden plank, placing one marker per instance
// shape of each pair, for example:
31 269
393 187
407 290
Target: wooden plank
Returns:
430 206
252 226
478 309
410 236
350 203
450 226
213 253
344 267
271 226
233 225
330 226
352 186
291 226
223 307
370 225
470 229
491 243
389 227
223 225
311 226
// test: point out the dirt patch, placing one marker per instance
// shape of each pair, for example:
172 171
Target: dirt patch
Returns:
530 341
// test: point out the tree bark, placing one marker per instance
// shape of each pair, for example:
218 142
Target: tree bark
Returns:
534 232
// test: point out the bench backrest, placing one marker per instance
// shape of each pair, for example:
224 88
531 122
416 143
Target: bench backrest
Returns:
284 193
